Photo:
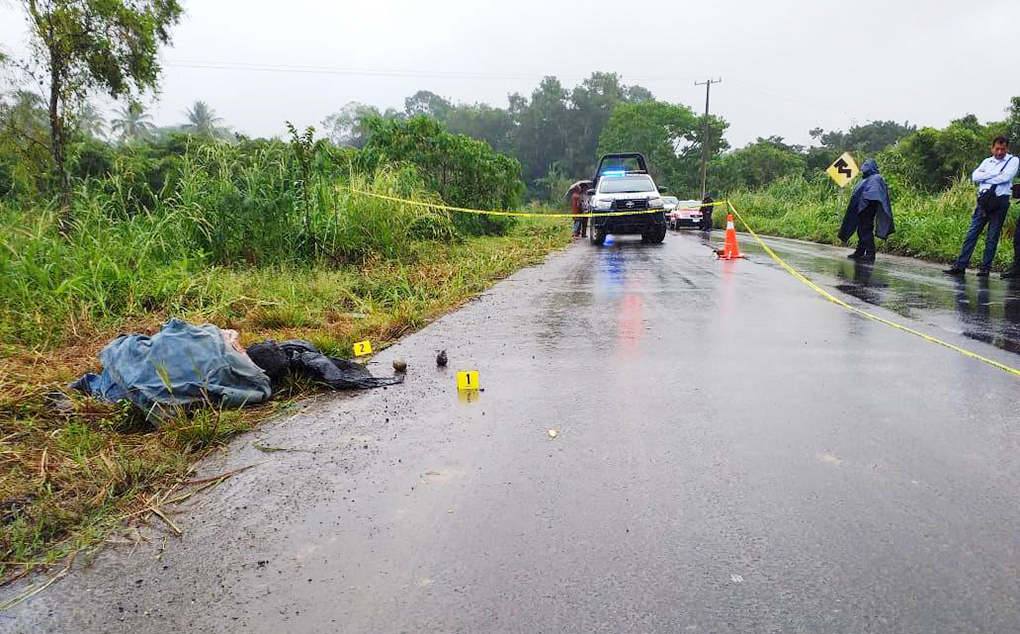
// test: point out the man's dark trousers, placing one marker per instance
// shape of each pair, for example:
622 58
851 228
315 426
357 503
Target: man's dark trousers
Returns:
977 224
866 229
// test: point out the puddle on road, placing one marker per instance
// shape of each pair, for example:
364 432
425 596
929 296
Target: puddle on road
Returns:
983 309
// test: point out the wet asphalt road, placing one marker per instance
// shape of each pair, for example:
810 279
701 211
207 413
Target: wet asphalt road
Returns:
734 455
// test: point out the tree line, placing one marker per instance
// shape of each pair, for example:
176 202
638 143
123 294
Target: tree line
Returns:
554 132
927 159
558 134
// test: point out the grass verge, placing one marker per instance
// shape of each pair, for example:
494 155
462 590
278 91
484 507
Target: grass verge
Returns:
71 471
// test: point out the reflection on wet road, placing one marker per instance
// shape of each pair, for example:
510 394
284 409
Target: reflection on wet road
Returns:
733 454
983 309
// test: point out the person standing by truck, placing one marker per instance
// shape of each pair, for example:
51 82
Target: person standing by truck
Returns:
706 213
577 207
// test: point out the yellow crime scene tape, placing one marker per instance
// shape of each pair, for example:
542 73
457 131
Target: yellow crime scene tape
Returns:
518 214
794 272
832 298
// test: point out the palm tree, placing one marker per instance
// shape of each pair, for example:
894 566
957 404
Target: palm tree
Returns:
91 122
203 120
133 123
27 113
24 121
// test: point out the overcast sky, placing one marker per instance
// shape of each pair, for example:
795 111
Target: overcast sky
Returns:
787 65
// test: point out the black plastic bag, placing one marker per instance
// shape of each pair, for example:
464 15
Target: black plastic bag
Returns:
303 358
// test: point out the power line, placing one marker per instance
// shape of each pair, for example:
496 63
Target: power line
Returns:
793 99
456 75
314 70
463 75
383 72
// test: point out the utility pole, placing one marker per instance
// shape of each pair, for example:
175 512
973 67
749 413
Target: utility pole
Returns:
704 139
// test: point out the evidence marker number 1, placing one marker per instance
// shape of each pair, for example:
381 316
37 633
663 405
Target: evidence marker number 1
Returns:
467 380
363 348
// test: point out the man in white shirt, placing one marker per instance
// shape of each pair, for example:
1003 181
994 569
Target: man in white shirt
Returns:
996 171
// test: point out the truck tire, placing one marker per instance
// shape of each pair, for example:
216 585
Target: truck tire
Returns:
657 234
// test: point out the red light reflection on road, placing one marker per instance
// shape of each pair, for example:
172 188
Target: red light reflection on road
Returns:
631 325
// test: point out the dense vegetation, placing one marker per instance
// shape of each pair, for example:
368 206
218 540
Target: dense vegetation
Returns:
150 215
930 160
556 133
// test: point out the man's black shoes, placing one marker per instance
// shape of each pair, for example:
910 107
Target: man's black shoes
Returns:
983 272
856 255
867 257
954 271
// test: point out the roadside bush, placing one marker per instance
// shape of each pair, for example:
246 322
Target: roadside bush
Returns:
92 159
465 172
23 175
7 185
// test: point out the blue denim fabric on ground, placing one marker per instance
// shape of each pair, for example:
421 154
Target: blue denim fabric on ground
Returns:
180 366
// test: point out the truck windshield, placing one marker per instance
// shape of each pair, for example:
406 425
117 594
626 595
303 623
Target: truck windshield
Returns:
626 184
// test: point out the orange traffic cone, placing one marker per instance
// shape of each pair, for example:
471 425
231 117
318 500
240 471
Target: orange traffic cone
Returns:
732 250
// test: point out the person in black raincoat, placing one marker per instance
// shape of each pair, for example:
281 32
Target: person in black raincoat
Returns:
869 213
706 213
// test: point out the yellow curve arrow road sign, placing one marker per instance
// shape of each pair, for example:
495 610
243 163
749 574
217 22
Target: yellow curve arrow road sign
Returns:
843 170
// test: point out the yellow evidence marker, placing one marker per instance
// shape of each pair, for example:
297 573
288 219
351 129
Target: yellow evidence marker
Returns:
467 380
362 348
843 170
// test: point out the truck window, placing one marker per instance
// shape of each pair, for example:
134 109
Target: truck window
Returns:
637 183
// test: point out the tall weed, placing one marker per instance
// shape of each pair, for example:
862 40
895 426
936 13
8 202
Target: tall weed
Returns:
226 207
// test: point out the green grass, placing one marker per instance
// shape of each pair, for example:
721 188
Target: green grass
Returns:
172 258
928 226
101 461
245 249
